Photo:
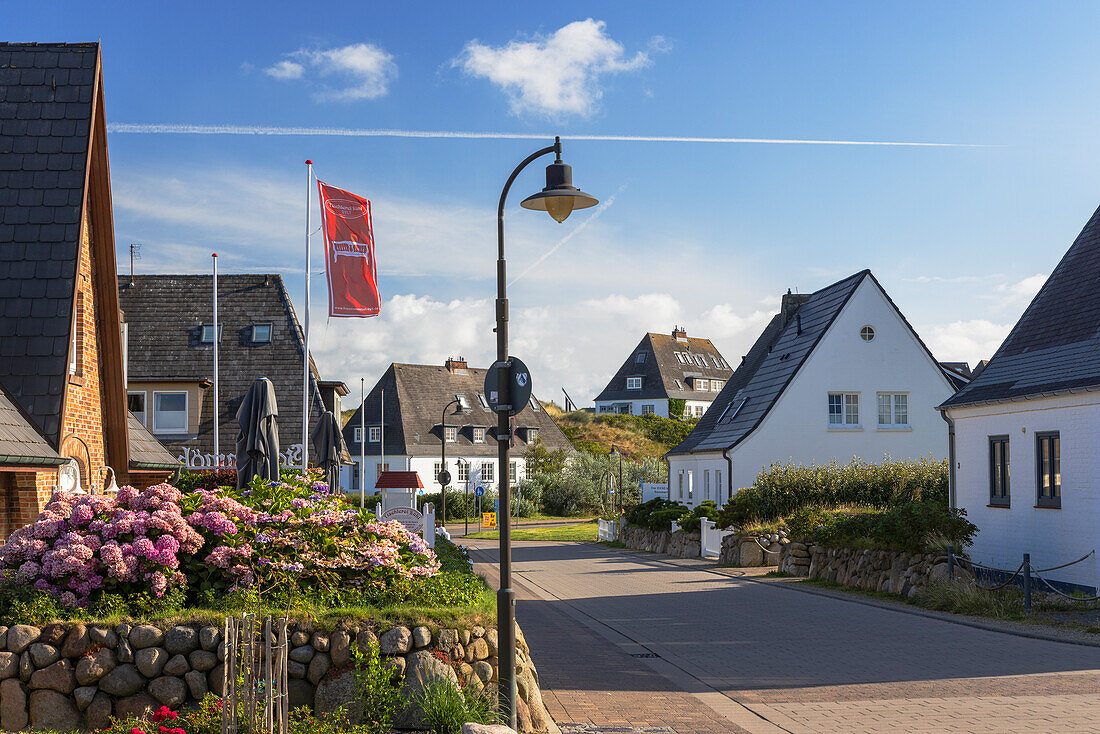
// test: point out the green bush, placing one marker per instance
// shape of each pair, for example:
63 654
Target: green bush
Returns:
915 526
782 489
964 597
446 708
691 522
662 519
377 688
642 515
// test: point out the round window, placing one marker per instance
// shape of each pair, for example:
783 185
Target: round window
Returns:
867 333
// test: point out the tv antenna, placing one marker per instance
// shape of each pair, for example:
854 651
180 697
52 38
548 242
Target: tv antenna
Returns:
135 254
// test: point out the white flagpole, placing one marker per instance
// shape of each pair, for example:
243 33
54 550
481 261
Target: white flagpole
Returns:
217 445
362 443
382 430
305 331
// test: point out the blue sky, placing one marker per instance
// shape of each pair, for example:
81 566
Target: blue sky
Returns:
706 235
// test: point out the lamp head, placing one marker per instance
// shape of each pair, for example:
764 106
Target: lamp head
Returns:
560 197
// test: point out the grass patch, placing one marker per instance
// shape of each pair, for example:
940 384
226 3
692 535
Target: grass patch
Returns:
963 597
778 575
578 533
612 543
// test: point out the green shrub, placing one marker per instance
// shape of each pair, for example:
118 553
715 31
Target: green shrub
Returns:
376 687
446 708
915 526
691 522
676 407
806 522
782 489
662 519
643 514
964 597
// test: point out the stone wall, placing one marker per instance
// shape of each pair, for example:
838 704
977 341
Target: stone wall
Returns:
892 572
67 676
678 544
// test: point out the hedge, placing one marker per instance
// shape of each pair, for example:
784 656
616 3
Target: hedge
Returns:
782 489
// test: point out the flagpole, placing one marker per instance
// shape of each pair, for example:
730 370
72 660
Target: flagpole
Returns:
217 446
362 443
305 350
382 430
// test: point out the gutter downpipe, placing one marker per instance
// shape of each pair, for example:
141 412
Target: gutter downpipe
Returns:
729 474
950 457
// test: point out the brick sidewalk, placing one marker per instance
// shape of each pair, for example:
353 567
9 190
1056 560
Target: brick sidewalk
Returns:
803 662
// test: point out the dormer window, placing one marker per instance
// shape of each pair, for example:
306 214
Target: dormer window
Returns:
532 435
679 357
261 333
481 399
479 435
701 384
208 333
463 403
450 434
633 383
534 404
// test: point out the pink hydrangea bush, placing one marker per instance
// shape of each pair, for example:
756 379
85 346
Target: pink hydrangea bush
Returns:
269 535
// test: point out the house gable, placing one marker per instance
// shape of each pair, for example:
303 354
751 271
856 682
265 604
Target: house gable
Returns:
667 369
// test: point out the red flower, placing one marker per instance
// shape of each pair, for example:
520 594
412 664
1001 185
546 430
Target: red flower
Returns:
135 730
163 713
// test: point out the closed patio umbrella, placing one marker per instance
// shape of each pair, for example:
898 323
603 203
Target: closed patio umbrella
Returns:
258 441
328 441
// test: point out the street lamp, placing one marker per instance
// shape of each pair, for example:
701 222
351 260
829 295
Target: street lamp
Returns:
616 453
444 475
559 198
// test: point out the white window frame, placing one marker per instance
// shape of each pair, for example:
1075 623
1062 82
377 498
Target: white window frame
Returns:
532 435
450 434
202 333
706 484
488 471
681 484
270 331
699 410
679 357
607 408
358 435
484 402
478 434
186 411
892 408
463 471
144 415
647 409
513 471
717 385
374 434
633 383
848 399
438 468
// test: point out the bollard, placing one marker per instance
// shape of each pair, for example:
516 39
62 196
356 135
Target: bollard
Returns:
951 562
1027 583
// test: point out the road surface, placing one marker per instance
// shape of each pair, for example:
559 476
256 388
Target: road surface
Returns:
628 639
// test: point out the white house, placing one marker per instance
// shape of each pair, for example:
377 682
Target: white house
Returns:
835 374
1027 429
405 410
663 367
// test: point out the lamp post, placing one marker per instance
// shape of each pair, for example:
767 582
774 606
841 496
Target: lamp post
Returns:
444 475
558 199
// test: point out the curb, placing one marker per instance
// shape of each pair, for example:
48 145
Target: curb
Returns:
853 597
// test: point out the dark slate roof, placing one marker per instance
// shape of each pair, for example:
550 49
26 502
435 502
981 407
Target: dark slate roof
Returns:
146 452
775 367
20 442
1055 346
165 314
661 369
46 99
416 395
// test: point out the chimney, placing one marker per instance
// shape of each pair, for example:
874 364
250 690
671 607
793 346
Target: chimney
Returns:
680 334
791 302
456 365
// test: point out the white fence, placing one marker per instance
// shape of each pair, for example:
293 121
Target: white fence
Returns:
607 530
710 543
675 526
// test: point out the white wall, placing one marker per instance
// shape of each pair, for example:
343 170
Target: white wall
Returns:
424 466
796 428
1051 536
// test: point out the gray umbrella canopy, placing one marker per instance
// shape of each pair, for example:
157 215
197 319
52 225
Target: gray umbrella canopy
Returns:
328 441
258 441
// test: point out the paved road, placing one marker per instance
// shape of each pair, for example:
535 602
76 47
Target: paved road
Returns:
762 657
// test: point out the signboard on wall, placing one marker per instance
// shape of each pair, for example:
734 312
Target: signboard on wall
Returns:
195 459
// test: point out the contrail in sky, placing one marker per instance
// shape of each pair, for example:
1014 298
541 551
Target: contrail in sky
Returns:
351 132
604 205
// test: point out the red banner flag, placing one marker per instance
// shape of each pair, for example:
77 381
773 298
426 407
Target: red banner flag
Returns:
349 253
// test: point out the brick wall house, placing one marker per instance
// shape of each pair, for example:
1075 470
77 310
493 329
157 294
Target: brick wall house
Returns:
62 396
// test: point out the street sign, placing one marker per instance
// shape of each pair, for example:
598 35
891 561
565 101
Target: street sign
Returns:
444 477
519 386
488 519
480 491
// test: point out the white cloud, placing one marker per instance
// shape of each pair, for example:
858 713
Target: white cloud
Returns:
972 340
1021 292
362 70
286 70
558 74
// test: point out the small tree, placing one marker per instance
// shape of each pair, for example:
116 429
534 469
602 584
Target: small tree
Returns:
676 408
